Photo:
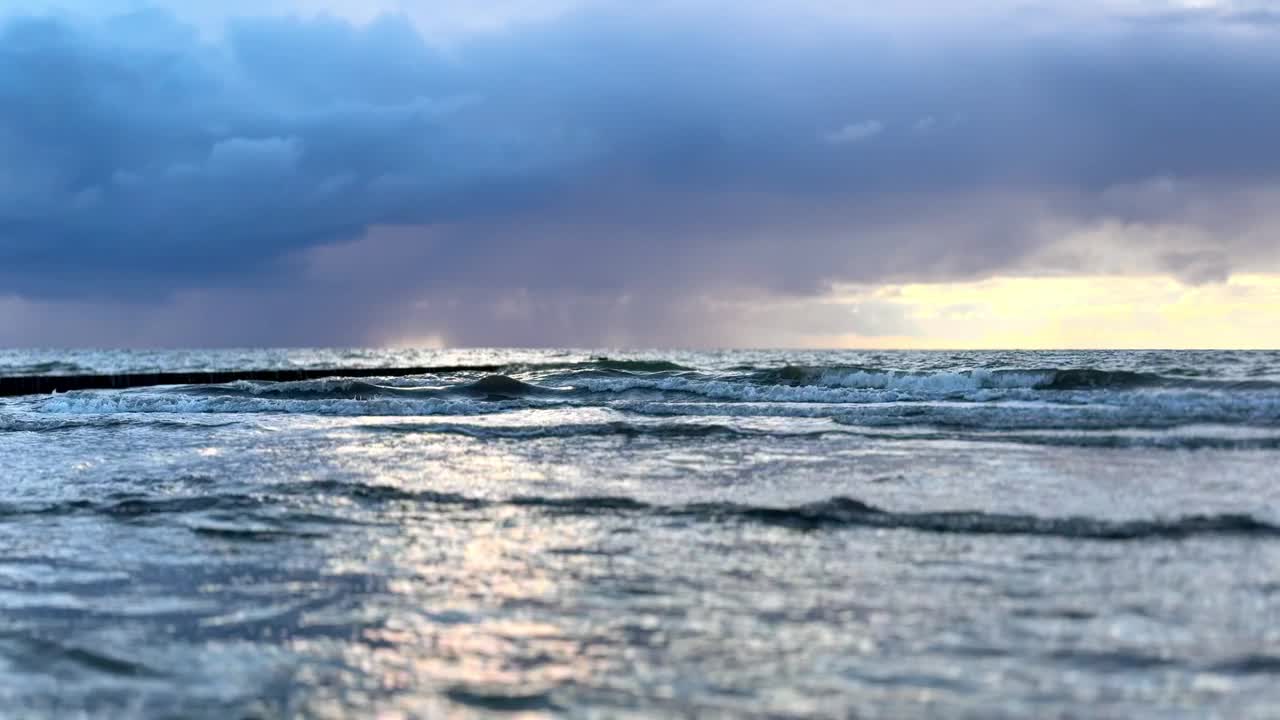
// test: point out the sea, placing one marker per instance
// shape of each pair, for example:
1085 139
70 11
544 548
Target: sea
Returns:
610 534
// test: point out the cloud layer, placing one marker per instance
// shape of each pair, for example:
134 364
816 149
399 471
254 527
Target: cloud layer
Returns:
596 172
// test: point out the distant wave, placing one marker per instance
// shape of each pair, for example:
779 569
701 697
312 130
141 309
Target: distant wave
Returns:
329 388
861 385
730 389
882 379
834 513
58 424
1088 379
919 373
831 384
871 408
854 396
53 367
635 366
965 381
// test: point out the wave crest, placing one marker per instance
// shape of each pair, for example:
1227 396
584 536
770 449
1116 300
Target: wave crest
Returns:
833 513
95 403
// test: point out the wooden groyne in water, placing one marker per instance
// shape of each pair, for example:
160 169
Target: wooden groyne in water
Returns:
45 384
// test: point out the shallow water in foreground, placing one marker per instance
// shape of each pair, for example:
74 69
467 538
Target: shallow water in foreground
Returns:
721 534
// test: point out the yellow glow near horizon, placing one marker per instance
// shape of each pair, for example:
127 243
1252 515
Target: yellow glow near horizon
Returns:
1081 312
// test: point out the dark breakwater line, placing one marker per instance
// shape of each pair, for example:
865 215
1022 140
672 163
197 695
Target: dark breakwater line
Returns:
45 384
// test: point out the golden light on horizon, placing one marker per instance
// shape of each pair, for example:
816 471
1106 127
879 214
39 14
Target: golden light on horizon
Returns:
1080 312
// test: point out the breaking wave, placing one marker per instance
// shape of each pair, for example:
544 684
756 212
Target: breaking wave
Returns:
94 403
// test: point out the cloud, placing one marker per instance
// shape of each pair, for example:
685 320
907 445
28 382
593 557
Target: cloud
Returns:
854 132
1232 16
608 164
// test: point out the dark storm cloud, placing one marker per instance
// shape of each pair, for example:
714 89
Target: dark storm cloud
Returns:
616 154
141 161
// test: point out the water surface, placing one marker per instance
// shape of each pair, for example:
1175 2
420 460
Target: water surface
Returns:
597 534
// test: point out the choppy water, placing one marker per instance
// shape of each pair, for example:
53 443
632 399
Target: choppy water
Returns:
721 534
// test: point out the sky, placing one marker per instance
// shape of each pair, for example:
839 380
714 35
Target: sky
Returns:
606 173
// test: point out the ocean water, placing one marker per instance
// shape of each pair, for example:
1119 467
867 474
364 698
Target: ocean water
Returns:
589 534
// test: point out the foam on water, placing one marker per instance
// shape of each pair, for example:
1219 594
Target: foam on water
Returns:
109 403
974 399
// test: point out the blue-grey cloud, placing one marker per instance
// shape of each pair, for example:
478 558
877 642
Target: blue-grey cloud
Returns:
614 153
